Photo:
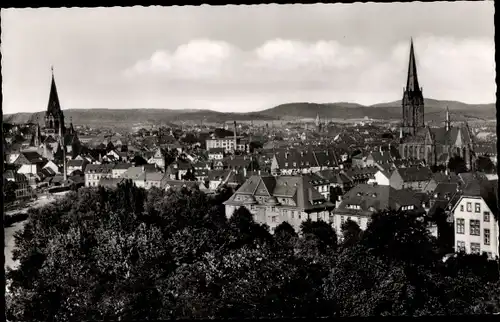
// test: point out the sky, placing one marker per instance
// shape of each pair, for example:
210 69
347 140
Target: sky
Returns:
245 58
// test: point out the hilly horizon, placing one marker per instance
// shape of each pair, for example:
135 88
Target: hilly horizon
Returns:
435 110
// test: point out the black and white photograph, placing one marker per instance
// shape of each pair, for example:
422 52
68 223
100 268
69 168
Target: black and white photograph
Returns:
277 161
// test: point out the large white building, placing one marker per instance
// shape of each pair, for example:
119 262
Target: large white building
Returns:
476 219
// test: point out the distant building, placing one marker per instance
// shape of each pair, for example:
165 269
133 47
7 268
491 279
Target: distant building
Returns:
421 142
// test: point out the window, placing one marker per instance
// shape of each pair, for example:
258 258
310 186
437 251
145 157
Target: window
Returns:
460 246
273 218
486 236
461 207
286 164
475 248
295 164
460 226
475 227
477 207
469 206
273 209
486 216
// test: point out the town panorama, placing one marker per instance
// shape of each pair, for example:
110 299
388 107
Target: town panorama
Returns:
279 214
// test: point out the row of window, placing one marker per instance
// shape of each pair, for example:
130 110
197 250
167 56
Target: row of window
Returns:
477 207
475 248
343 219
475 229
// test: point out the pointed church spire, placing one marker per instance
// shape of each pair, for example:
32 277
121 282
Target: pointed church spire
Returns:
54 115
71 129
412 81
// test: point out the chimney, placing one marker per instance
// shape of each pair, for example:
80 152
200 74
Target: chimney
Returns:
143 168
245 172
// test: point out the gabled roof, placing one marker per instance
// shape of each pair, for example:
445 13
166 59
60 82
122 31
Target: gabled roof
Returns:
298 188
99 168
372 198
414 174
75 163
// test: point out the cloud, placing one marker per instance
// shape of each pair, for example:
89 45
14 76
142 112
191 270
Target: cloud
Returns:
461 69
198 59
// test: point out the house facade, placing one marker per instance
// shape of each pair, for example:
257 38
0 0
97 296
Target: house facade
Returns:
275 199
94 173
475 218
363 200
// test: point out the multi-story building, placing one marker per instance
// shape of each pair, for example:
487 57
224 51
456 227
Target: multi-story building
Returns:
476 219
415 178
216 154
158 159
421 142
275 199
30 162
295 161
119 169
363 200
94 173
228 143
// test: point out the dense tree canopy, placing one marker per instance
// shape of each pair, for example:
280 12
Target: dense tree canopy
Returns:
484 164
457 164
125 254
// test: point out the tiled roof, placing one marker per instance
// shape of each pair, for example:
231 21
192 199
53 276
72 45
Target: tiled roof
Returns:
75 163
151 176
414 174
305 196
333 176
372 198
99 168
295 158
33 157
122 166
110 182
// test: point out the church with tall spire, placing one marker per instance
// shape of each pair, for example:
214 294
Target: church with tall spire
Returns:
413 99
433 145
54 116
54 140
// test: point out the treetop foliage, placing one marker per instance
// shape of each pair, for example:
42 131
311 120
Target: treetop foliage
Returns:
127 253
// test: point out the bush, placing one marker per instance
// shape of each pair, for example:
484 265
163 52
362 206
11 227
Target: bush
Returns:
9 220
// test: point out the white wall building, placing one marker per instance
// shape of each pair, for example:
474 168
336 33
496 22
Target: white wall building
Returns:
476 229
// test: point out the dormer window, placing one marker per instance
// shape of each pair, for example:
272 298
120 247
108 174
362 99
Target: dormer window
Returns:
295 164
374 195
359 194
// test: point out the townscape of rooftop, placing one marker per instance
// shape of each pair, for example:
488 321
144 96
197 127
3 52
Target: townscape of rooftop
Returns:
291 171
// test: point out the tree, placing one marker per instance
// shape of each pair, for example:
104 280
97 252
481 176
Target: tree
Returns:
321 233
351 233
189 176
484 164
9 191
457 164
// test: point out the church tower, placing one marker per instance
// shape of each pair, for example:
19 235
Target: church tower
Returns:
54 117
318 123
413 99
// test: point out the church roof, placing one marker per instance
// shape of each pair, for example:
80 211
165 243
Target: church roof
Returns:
412 81
53 107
